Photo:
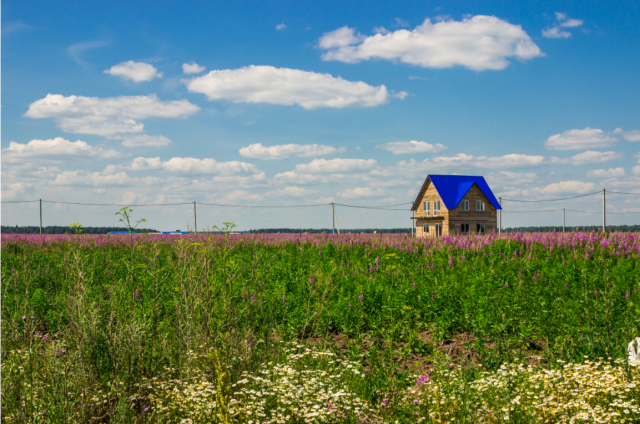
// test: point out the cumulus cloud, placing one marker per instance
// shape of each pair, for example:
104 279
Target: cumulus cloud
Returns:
610 173
562 21
179 165
134 71
479 43
413 146
244 195
144 140
565 187
633 135
336 165
106 116
16 191
360 192
94 179
293 191
56 149
636 170
280 27
588 138
588 157
284 86
285 151
497 162
192 68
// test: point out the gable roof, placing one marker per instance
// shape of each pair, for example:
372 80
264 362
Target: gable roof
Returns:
452 188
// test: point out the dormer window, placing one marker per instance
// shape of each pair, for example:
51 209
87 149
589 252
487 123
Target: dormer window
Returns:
464 205
479 205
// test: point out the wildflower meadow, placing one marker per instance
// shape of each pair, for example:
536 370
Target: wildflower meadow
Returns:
297 328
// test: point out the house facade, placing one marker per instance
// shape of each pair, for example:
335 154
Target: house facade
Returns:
453 205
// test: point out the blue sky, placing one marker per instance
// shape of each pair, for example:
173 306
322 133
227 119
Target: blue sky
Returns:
294 103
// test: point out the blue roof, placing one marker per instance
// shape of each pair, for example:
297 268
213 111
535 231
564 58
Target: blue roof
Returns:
452 188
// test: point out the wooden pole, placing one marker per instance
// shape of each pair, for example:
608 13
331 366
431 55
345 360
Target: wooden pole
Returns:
195 222
413 224
604 209
40 216
333 218
563 220
500 216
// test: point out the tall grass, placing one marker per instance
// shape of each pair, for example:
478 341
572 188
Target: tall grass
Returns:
90 323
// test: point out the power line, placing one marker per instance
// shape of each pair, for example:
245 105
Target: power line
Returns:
265 206
622 192
552 200
115 204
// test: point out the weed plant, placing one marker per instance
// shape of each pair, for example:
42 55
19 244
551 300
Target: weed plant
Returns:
92 324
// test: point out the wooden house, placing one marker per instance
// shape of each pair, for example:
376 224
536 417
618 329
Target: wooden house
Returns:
455 204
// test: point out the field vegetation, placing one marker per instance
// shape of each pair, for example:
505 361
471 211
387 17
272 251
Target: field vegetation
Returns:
320 328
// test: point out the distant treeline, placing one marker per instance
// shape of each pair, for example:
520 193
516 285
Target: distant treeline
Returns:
581 228
66 229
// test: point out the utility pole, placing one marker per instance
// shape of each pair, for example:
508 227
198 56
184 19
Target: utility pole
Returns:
335 219
40 216
500 216
195 222
563 220
604 209
413 224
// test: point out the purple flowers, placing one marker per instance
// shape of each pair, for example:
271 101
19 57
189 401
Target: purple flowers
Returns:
422 381
361 298
284 299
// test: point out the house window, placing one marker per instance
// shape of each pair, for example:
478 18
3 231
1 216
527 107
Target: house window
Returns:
427 207
464 228
425 228
438 230
479 205
480 228
436 207
464 205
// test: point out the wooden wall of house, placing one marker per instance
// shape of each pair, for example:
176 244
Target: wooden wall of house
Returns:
488 217
431 194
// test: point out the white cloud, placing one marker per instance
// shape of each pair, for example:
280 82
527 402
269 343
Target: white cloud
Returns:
106 116
280 27
244 196
498 162
413 146
284 86
377 30
610 173
360 192
144 140
57 149
16 191
401 22
588 138
134 71
561 22
336 165
555 32
636 170
565 187
179 165
93 179
588 157
75 50
292 192
633 135
479 43
285 151
192 68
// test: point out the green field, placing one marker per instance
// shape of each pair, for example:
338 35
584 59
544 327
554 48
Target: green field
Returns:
108 329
